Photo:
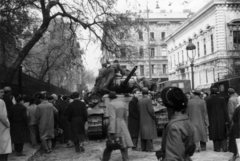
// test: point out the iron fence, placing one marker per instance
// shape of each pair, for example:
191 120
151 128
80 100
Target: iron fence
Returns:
26 84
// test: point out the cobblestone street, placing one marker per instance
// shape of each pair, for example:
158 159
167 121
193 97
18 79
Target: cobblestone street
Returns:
94 150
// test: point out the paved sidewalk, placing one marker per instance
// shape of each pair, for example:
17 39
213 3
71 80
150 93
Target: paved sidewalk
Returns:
28 150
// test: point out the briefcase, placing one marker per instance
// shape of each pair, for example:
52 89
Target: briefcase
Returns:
114 143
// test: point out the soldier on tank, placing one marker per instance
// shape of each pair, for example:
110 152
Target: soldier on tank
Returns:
110 72
100 75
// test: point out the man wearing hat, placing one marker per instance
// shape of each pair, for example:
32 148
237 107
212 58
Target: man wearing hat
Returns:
178 137
7 98
77 115
197 113
218 120
232 102
148 127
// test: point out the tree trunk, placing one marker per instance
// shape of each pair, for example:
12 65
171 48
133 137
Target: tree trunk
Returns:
24 52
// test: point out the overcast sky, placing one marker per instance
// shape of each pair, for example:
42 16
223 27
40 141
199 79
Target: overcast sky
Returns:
93 53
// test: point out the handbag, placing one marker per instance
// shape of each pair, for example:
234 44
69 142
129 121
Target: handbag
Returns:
114 142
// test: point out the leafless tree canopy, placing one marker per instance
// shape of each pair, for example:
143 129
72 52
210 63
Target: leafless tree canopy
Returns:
24 23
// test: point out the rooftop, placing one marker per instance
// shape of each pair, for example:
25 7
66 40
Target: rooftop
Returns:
165 15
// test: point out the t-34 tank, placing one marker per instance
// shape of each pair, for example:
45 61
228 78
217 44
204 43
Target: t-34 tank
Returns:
97 118
124 84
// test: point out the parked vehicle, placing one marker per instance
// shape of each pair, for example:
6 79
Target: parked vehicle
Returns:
224 84
184 84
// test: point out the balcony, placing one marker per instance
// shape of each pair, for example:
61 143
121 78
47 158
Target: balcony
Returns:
181 66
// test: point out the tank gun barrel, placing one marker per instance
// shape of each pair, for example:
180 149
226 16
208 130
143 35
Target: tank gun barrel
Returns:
129 76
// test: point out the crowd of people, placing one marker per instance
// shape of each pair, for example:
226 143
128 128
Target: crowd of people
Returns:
194 118
40 119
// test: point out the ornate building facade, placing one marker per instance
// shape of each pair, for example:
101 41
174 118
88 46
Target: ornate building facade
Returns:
161 24
215 32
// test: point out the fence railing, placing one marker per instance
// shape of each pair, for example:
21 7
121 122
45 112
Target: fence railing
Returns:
29 84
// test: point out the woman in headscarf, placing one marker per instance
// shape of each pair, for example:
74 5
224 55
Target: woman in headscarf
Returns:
235 131
178 138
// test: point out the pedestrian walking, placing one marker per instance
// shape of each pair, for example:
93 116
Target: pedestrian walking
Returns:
77 116
178 137
45 120
117 113
218 120
63 119
197 113
19 125
32 107
232 102
7 97
148 127
5 138
235 131
133 118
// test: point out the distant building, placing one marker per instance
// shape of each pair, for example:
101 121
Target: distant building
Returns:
216 35
161 24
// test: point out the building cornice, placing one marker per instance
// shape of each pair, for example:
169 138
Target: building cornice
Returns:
203 11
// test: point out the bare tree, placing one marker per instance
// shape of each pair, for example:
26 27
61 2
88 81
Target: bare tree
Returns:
91 15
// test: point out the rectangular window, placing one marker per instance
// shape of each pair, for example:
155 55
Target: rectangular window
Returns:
153 69
204 47
178 58
141 52
175 60
151 35
162 35
182 56
140 35
141 70
164 51
198 49
164 67
152 52
236 38
212 44
121 35
123 66
123 52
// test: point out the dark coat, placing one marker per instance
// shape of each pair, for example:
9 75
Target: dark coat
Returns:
148 127
19 124
8 102
235 131
77 115
133 117
62 118
178 138
110 72
218 117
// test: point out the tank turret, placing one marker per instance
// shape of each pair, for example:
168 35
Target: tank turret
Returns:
124 84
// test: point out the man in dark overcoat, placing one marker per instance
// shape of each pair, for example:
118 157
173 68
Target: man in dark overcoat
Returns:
148 127
7 98
133 118
77 115
218 120
19 125
62 118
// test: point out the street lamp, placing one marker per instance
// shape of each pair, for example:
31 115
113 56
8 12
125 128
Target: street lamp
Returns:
191 55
